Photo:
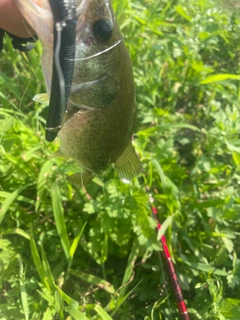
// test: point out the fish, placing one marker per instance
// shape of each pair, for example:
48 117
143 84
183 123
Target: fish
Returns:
99 121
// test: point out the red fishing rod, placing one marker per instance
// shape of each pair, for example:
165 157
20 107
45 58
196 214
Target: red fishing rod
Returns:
170 267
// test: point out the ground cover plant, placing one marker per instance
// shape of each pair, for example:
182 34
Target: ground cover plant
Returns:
64 256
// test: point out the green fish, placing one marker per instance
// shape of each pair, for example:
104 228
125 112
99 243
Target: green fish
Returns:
99 121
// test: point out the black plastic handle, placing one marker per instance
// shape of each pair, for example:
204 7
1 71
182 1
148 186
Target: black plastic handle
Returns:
64 18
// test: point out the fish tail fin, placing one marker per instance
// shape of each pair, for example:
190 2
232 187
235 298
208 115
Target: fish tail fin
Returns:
81 178
128 165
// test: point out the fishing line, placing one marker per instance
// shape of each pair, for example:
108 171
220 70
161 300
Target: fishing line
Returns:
25 91
99 53
101 185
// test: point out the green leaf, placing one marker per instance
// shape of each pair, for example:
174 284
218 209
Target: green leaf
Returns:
42 98
6 124
206 268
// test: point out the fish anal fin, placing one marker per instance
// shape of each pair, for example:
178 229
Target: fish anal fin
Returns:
128 165
81 178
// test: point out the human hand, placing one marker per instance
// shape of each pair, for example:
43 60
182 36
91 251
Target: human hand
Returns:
12 21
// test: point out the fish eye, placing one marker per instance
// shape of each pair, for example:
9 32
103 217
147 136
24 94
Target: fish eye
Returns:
102 30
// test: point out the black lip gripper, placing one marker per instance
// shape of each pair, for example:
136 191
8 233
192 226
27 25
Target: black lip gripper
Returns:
64 19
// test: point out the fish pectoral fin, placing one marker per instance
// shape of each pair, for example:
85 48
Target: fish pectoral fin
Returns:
42 98
81 178
99 93
128 165
58 154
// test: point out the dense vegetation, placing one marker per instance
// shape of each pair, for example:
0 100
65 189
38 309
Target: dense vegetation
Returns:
63 256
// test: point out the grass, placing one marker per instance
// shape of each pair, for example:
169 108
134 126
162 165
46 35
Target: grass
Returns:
66 257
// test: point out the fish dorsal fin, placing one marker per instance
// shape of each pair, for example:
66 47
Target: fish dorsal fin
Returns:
128 165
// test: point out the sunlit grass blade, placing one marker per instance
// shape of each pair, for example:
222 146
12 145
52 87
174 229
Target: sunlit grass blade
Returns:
102 313
169 188
59 304
180 10
94 280
66 297
75 242
73 305
117 301
23 291
129 269
104 250
59 219
75 313
47 314
46 266
42 181
17 231
161 174
164 226
38 262
4 194
166 127
219 77
178 126
9 200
